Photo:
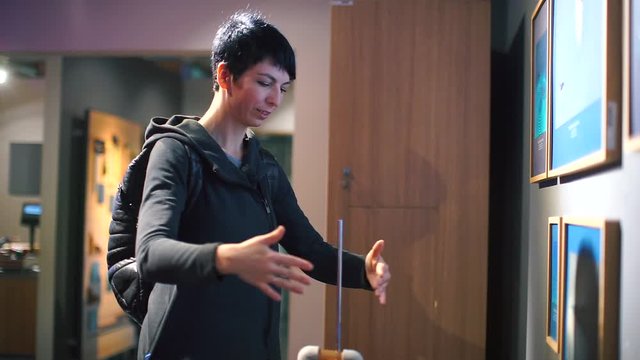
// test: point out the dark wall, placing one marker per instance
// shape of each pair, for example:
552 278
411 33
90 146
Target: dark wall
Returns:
132 88
518 265
605 193
506 300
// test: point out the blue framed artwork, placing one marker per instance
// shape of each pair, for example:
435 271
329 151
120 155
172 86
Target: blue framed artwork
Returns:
590 289
540 39
553 282
632 75
586 85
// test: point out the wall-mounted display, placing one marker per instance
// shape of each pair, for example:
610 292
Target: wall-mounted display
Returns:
632 75
586 85
590 289
25 166
553 282
540 37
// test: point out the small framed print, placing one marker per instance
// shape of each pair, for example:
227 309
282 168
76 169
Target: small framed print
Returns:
539 117
590 289
631 131
586 85
553 282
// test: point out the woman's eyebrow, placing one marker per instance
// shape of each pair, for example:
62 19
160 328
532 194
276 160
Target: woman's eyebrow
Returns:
273 78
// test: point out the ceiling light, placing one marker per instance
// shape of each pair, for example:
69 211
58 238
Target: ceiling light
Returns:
4 74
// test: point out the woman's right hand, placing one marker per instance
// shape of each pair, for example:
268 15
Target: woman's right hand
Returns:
255 263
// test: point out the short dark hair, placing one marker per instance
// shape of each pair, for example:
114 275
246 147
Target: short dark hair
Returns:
246 39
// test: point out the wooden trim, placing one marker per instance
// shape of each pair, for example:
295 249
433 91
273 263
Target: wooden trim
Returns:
533 178
608 283
18 298
587 162
556 220
610 151
631 143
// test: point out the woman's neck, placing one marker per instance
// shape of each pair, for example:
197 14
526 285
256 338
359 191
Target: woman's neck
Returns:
223 128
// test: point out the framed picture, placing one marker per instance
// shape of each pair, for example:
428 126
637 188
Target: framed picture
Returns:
632 75
590 289
586 85
540 38
553 282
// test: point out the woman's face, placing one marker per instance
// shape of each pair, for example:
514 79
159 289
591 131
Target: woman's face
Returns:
257 93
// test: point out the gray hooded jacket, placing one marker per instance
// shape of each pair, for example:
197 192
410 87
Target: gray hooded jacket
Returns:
194 312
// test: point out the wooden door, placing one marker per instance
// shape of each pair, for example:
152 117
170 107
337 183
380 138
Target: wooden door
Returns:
410 125
112 142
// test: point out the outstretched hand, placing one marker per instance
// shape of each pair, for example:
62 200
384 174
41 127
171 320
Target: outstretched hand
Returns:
254 262
377 270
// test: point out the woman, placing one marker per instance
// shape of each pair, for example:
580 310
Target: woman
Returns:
214 260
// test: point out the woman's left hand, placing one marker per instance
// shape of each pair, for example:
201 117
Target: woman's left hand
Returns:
378 272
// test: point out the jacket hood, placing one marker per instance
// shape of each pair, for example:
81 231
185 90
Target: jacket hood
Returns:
192 133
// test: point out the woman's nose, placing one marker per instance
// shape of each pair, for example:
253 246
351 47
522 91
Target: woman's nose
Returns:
274 97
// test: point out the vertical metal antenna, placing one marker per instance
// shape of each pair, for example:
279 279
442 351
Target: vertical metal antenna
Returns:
339 332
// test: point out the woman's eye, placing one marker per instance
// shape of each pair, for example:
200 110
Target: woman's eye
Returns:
263 83
283 90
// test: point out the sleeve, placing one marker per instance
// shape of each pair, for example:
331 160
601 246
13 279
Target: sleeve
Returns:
302 240
160 255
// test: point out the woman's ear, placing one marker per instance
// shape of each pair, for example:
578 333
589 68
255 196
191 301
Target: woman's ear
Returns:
224 77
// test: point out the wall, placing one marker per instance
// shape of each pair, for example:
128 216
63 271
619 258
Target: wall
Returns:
21 121
132 88
124 27
507 296
608 193
612 193
507 332
506 17
49 221
196 96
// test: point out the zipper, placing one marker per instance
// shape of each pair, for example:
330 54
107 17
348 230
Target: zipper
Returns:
265 200
266 205
260 190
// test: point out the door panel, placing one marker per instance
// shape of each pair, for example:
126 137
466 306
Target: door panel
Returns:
410 119
354 45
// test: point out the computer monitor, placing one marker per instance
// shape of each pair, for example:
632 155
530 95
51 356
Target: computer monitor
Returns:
31 214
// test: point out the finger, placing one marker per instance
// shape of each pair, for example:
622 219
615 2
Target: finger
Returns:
288 284
383 281
380 289
383 297
379 283
382 271
293 274
376 250
265 288
290 260
272 237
